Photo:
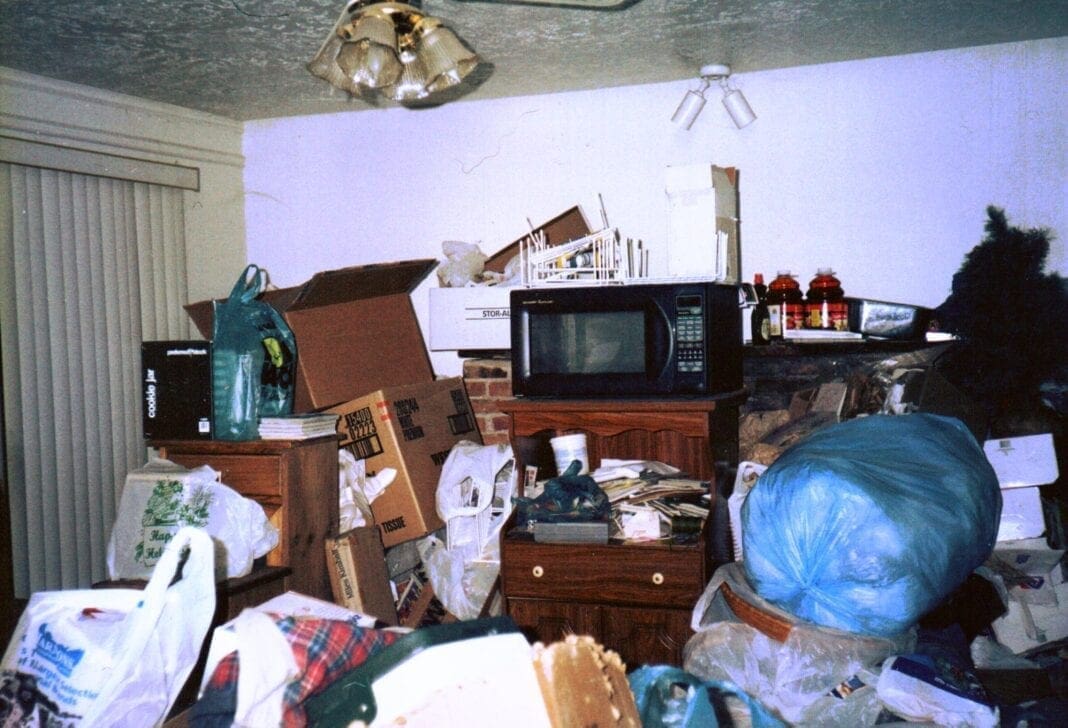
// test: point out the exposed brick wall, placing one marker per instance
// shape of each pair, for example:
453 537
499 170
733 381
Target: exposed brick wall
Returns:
488 382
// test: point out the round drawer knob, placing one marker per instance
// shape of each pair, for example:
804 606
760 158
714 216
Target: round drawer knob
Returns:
538 572
658 578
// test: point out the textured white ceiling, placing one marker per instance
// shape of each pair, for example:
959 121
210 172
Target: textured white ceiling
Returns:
245 59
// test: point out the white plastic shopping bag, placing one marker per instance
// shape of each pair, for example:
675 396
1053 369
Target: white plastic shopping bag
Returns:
162 497
111 657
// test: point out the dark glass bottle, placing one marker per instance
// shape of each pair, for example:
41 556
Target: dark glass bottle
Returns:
761 323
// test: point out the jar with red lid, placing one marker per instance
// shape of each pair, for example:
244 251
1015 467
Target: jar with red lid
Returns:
786 308
825 305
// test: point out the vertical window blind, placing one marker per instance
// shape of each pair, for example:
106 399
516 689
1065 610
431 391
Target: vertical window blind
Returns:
92 266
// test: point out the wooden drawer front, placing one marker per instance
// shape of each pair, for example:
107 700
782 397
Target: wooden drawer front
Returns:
605 574
249 475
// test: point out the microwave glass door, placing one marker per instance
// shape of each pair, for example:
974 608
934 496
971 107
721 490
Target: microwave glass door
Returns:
588 342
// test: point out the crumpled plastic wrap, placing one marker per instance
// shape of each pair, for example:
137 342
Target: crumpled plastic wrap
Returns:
567 498
794 677
464 263
356 490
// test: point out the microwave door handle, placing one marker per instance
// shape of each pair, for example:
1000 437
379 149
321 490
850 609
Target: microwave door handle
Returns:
671 334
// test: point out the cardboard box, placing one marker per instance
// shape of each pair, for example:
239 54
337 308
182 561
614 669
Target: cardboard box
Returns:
565 227
475 318
176 390
1036 571
358 575
411 429
1028 626
1020 462
356 331
703 237
1021 514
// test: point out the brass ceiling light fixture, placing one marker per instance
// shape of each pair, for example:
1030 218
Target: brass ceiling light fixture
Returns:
393 49
577 4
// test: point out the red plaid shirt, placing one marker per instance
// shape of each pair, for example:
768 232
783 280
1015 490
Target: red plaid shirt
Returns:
324 650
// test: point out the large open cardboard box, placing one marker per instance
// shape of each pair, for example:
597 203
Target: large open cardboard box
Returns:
411 429
356 330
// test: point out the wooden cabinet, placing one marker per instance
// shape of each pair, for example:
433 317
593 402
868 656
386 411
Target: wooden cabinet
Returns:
635 598
296 482
691 434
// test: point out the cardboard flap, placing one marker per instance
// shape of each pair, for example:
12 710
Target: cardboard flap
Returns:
565 227
203 314
362 281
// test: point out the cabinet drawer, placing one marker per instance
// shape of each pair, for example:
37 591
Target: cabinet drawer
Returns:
250 475
619 574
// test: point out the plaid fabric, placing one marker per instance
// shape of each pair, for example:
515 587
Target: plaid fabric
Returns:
324 650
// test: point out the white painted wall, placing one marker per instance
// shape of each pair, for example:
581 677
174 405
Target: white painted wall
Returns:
881 169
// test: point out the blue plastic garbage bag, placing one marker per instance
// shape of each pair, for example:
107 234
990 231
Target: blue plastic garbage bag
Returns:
867 525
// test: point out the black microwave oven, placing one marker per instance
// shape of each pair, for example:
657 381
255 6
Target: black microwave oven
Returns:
679 339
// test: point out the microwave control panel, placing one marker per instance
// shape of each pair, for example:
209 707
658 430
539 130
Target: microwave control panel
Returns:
690 333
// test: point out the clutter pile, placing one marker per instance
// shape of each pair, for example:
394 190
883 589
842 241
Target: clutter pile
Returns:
884 554
872 578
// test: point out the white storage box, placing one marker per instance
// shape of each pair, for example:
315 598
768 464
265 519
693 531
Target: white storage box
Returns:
1020 462
1021 514
703 222
474 317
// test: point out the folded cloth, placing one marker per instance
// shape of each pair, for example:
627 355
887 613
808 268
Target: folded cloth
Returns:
324 650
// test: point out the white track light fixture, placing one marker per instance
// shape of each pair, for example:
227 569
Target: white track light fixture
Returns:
733 99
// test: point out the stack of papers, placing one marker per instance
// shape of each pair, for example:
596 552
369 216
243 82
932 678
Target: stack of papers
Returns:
298 427
637 490
635 500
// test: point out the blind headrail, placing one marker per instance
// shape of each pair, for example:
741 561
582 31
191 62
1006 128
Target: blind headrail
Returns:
99 164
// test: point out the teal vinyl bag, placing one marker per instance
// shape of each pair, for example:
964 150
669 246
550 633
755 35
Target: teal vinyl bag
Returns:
253 360
669 697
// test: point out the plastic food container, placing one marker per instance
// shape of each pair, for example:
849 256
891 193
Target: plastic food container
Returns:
887 320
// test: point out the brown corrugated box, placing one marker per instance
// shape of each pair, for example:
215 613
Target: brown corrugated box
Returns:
355 327
411 429
358 575
568 225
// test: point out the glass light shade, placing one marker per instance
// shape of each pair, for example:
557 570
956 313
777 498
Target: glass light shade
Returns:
739 109
411 86
688 110
447 60
369 57
377 28
369 64
324 64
